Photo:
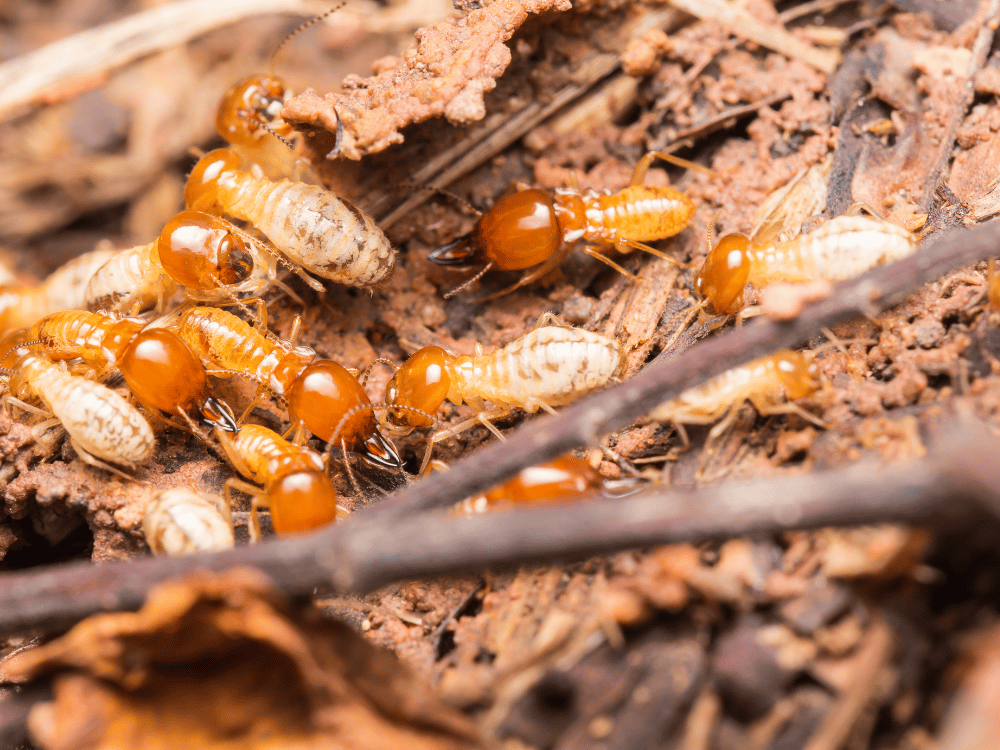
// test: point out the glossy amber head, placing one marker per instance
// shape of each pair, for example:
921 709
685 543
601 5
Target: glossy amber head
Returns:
247 105
520 230
10 347
202 251
562 478
301 501
796 374
725 273
162 371
323 394
421 383
201 190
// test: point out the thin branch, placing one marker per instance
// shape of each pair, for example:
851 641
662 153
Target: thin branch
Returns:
363 554
395 541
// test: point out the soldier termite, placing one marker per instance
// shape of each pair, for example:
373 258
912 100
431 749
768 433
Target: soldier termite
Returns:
160 369
839 249
531 228
310 226
180 521
558 480
550 366
102 426
770 383
318 392
297 489
63 289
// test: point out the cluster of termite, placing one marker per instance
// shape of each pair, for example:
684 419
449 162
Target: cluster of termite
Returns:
255 211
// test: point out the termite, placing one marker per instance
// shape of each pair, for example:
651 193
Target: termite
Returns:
839 249
550 366
160 369
249 119
771 384
102 426
212 259
297 489
532 228
310 226
557 480
318 392
563 479
181 522
63 289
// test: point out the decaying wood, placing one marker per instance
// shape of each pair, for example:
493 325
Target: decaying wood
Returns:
499 131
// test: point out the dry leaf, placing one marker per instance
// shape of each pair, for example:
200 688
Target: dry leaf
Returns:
228 662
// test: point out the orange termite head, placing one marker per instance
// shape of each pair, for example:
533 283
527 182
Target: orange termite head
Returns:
422 383
250 107
520 231
797 374
202 251
560 478
301 501
204 181
725 272
12 347
162 370
328 399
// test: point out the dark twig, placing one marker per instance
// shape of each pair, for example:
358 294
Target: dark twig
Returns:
389 543
364 554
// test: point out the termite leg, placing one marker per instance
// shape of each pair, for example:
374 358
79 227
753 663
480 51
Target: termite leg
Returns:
723 424
626 246
531 276
255 492
642 166
605 259
9 401
89 458
482 418
793 408
293 334
253 405
551 319
746 313
857 207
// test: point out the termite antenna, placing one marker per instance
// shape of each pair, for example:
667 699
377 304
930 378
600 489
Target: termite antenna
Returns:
22 345
367 370
711 227
272 131
302 27
468 282
446 193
